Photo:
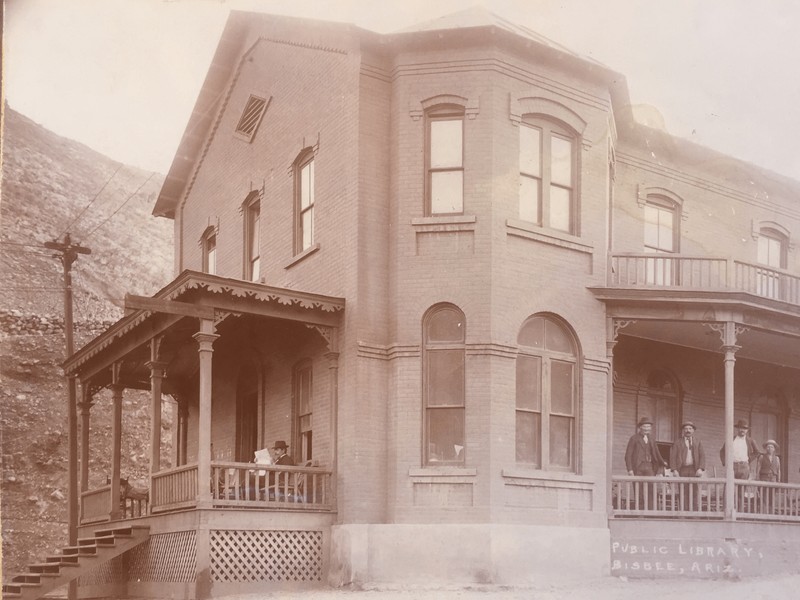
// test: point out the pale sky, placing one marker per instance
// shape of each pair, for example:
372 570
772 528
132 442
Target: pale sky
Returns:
122 75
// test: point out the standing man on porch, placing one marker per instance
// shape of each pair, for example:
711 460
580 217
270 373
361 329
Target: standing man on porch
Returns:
687 458
642 458
744 451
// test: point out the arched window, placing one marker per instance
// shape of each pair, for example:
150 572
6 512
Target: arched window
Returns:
547 395
659 399
445 160
304 199
547 174
443 354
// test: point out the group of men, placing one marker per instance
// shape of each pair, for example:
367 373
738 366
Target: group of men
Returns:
687 458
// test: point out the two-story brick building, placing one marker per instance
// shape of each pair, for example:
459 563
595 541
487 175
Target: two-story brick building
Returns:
450 270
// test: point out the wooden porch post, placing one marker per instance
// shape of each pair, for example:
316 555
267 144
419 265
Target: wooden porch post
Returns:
205 340
116 441
156 377
85 406
729 347
333 394
183 422
611 341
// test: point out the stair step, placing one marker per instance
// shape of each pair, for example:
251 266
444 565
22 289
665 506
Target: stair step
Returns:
126 531
63 560
79 551
96 541
45 568
25 578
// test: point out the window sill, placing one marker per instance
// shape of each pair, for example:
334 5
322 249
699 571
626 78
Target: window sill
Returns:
444 223
546 478
302 256
531 231
443 471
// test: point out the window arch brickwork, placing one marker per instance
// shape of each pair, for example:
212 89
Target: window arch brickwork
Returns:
547 395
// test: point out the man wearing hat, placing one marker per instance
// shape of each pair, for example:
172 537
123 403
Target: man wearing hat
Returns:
279 457
642 457
744 451
687 458
768 468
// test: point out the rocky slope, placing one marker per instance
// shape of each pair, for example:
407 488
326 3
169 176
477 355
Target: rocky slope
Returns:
51 185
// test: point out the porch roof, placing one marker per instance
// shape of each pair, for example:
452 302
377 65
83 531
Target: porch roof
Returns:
224 296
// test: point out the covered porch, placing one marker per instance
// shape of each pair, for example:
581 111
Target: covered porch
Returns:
687 345
241 365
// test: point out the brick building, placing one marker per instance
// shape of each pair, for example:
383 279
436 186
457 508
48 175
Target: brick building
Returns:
451 271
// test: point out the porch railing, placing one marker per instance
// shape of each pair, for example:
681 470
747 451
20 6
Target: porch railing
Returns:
174 488
702 497
678 271
245 484
95 505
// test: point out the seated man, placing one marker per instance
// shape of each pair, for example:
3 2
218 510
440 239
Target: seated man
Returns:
279 484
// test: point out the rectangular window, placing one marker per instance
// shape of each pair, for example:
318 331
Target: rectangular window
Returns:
546 175
304 204
659 238
529 410
445 165
302 411
210 255
770 254
253 241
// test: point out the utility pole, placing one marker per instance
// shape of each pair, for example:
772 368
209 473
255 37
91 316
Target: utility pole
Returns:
68 254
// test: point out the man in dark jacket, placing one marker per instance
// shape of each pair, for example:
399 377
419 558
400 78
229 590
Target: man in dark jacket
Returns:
687 458
642 458
279 486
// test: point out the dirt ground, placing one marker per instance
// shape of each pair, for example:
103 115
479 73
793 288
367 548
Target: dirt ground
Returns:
773 588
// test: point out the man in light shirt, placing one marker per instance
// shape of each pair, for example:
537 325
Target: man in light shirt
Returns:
744 450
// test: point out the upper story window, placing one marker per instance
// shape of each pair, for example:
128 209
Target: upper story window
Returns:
304 201
301 383
251 117
445 161
772 248
547 395
660 237
252 239
772 252
209 245
547 173
443 352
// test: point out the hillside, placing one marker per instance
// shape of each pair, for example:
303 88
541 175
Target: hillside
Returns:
47 184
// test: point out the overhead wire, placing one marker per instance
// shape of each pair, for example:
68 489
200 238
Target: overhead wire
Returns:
97 195
91 233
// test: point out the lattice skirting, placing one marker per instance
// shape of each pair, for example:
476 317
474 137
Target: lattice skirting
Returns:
110 572
167 557
250 556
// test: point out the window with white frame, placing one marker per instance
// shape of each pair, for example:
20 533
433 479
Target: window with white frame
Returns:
445 161
209 248
252 239
546 395
547 172
771 253
443 355
304 201
303 433
661 237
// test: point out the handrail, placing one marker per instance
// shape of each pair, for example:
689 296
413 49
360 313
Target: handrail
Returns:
635 496
683 271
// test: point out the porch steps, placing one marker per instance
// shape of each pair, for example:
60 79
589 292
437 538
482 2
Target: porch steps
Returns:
74 561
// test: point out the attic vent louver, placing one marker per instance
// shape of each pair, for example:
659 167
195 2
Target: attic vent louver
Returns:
251 117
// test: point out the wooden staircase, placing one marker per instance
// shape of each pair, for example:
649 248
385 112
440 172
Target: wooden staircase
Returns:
74 561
